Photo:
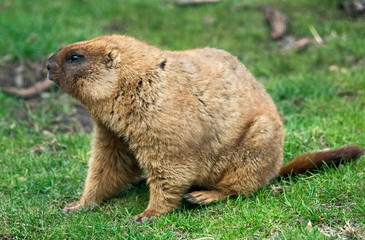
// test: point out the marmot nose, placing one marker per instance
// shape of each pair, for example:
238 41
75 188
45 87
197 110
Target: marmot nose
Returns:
48 65
50 61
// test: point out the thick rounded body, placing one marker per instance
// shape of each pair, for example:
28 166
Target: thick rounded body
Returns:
189 118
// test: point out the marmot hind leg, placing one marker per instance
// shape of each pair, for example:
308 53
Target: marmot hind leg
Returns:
205 197
255 161
238 179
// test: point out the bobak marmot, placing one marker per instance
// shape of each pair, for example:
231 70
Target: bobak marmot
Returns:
188 118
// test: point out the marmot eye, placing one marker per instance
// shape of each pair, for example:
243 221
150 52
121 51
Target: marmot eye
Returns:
74 58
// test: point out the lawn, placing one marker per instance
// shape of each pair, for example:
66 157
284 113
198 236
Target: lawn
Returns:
320 91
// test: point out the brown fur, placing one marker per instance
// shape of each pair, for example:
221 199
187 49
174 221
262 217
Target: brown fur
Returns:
195 117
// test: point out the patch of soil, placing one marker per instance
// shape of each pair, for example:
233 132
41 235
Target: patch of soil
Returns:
298 101
22 75
83 116
5 237
27 74
77 120
348 94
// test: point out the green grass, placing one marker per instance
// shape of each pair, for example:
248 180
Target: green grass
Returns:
322 109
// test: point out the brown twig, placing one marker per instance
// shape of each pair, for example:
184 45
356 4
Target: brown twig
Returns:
30 91
193 2
39 69
355 8
278 22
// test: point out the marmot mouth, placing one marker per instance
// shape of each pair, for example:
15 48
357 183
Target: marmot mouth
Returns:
51 78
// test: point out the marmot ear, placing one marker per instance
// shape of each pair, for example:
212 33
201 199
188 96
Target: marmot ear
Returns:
113 56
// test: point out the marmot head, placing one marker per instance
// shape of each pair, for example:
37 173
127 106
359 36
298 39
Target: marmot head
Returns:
87 70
